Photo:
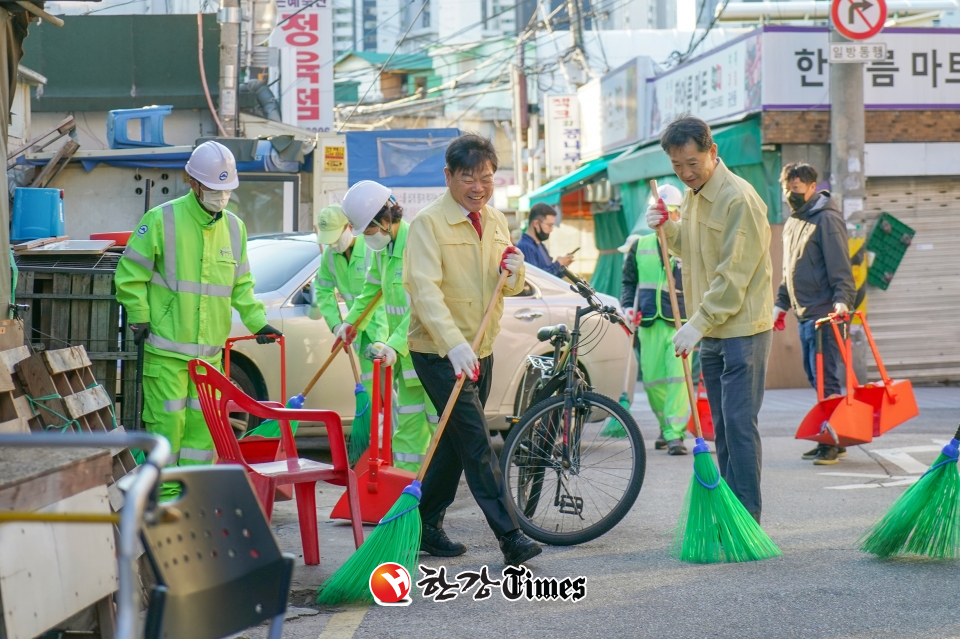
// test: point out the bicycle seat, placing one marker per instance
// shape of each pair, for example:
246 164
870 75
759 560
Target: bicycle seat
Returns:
549 332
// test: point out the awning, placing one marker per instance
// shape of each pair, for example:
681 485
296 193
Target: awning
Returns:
551 192
738 144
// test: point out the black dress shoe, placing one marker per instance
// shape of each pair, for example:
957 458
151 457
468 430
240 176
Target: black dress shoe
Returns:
434 541
517 548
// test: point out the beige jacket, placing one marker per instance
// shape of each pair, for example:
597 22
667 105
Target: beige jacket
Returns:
451 274
723 238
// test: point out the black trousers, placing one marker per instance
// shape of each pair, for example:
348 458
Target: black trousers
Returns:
464 446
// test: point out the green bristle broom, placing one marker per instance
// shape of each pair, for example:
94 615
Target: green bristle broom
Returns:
925 520
397 537
714 526
360 430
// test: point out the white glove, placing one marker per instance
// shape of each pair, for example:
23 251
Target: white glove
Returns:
388 354
657 214
464 361
840 308
340 330
685 339
512 260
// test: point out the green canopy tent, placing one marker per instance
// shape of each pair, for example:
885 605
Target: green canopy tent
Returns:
738 145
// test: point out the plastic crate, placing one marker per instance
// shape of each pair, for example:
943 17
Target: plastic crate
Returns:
889 241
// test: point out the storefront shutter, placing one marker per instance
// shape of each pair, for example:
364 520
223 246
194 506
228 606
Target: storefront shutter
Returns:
915 320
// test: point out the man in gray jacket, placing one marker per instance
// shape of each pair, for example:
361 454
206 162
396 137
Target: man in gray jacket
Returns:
817 279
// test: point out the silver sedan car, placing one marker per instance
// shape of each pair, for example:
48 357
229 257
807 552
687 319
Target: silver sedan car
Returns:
284 267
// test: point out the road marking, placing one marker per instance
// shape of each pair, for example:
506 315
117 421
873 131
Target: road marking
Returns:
864 475
852 486
902 458
343 625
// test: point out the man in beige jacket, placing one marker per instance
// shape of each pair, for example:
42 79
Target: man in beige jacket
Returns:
456 248
723 238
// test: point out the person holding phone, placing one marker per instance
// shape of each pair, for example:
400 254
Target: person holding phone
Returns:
540 225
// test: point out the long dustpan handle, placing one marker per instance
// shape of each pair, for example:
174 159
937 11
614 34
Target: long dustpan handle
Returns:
353 362
452 400
675 307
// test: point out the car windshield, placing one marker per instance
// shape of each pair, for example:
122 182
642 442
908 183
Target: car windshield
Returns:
274 262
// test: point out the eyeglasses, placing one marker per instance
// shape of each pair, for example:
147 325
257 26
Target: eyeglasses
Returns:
469 181
372 228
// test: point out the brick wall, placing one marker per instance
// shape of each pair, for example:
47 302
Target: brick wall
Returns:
813 127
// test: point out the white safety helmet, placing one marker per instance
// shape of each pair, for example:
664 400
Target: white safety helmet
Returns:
213 165
362 203
670 195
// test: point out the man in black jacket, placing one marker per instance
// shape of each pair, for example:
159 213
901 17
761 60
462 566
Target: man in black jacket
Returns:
817 279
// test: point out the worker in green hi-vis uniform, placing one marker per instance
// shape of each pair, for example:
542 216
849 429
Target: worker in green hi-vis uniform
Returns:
343 268
663 378
183 272
370 207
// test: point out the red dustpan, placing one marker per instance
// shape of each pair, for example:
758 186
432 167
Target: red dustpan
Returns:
893 401
379 482
837 421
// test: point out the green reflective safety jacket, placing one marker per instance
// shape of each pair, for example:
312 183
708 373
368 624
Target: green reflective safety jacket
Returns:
653 292
347 276
386 273
182 271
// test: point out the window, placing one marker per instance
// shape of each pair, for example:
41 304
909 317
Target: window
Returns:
267 203
274 262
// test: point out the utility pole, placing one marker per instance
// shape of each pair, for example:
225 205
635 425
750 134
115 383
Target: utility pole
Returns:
229 19
518 82
579 56
533 161
847 135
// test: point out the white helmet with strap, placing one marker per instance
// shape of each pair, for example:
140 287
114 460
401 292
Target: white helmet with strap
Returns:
213 165
670 195
362 203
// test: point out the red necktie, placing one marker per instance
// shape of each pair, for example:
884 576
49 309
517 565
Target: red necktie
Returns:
475 220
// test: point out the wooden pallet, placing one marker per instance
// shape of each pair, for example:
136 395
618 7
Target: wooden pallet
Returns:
80 309
68 373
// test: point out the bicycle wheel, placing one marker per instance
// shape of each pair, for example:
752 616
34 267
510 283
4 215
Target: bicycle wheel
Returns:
564 502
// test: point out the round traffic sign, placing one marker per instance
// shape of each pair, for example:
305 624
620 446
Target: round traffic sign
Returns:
858 19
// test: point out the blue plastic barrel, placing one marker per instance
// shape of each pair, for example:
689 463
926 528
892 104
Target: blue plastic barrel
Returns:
37 213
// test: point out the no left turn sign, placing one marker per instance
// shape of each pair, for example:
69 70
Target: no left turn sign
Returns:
859 19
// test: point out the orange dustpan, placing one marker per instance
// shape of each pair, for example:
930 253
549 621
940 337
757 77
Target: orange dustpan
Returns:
837 421
703 410
893 401
379 482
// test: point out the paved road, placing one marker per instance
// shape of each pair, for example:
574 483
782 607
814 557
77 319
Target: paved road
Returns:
820 587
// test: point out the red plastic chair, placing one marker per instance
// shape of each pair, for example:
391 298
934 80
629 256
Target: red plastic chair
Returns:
218 396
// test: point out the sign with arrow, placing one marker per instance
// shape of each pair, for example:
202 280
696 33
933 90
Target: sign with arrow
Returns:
859 19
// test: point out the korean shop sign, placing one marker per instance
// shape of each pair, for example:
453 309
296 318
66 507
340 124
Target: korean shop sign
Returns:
306 32
920 69
562 131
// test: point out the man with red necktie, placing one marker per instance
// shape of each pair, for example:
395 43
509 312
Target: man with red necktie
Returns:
456 248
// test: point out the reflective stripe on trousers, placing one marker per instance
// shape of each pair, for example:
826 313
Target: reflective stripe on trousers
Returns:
181 348
408 458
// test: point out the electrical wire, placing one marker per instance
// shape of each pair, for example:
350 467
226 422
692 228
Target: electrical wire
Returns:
676 58
385 63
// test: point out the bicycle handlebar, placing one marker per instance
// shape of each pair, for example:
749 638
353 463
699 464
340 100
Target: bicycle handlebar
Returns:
588 293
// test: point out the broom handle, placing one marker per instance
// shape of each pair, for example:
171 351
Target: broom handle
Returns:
326 364
353 363
452 400
675 307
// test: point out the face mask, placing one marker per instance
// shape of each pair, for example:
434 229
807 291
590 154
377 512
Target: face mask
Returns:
343 242
543 237
377 242
214 201
795 200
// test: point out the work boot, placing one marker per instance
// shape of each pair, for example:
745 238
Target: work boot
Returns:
517 548
810 454
827 456
841 451
676 447
660 444
434 541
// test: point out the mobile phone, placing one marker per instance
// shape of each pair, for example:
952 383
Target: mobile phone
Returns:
574 251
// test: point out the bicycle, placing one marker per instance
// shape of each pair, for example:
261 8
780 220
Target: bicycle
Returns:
556 447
